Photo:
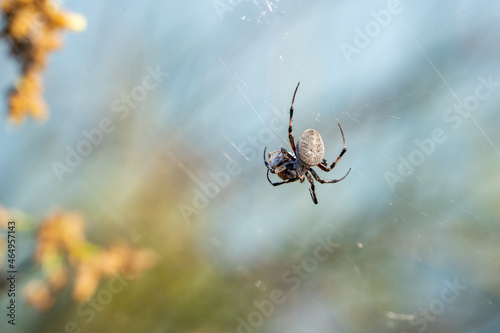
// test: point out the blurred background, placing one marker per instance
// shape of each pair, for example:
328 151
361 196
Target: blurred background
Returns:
158 116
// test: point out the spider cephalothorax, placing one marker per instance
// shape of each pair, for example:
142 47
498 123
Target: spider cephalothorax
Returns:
298 165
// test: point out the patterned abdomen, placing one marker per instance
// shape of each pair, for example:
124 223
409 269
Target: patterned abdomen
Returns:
310 148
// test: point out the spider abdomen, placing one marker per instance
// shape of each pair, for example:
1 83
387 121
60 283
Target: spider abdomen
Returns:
310 148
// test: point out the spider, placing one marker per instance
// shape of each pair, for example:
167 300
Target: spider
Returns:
298 165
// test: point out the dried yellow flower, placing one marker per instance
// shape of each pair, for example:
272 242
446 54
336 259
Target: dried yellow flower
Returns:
63 251
32 30
38 295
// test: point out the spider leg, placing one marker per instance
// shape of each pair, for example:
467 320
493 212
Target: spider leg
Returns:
327 181
268 161
290 180
323 165
312 190
290 136
268 158
265 162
